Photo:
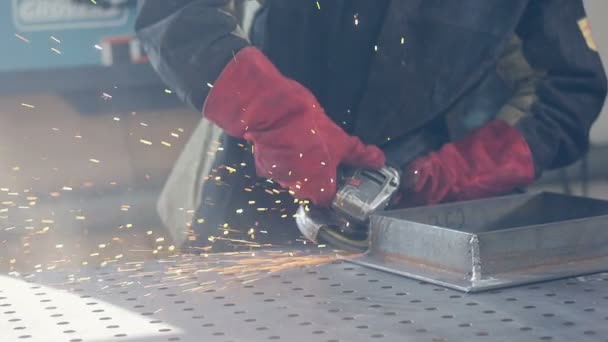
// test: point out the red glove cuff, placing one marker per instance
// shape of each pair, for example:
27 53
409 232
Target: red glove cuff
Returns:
295 142
492 160
245 90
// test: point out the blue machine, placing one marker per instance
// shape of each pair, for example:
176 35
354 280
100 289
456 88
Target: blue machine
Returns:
67 45
72 29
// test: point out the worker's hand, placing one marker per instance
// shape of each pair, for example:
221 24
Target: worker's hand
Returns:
303 154
492 160
295 143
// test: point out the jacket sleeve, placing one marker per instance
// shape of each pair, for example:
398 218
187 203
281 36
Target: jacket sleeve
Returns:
189 42
571 90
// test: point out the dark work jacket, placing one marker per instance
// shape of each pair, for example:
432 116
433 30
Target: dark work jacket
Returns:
387 71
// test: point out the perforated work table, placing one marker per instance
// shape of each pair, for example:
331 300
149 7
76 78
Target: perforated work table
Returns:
337 301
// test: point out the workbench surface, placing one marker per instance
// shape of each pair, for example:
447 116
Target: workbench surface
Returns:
233 298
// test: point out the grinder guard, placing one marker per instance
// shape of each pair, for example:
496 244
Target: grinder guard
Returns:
345 224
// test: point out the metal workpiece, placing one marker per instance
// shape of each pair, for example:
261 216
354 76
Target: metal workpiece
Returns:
196 299
492 243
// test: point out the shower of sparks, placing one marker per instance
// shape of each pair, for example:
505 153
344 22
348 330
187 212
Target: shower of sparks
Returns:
22 38
234 267
239 267
277 263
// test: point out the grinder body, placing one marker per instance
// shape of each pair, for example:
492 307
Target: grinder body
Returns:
360 193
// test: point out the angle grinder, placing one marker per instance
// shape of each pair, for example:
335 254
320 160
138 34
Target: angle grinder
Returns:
345 224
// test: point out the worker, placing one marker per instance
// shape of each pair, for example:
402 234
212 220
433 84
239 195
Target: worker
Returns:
470 98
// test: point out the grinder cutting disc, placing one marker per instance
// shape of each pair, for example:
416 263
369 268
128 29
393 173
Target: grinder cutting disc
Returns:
324 226
352 243
345 223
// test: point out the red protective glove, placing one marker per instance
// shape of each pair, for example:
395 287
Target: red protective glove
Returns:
493 160
295 143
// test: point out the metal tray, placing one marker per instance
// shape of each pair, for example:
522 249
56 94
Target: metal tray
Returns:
492 243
